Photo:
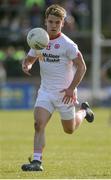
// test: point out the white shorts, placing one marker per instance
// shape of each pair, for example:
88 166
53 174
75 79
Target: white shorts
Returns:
53 101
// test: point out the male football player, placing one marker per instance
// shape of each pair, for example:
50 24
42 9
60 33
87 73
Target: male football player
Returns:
61 72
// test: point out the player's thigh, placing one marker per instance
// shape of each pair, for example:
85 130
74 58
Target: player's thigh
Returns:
41 116
43 100
67 113
68 125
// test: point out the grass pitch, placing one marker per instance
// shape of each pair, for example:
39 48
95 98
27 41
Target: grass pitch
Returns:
84 154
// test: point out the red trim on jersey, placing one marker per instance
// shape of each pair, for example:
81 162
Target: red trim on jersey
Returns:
79 55
58 35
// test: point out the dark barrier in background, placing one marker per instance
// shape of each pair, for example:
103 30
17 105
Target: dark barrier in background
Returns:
17 96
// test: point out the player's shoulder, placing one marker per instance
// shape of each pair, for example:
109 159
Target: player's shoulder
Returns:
67 40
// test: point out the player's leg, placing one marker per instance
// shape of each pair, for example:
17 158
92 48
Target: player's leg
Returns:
68 125
84 112
71 120
42 113
41 117
67 114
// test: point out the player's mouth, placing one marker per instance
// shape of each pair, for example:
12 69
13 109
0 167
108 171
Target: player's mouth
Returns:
53 30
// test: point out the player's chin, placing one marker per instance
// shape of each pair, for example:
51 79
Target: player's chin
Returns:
53 32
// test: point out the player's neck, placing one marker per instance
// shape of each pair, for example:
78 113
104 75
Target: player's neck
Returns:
55 36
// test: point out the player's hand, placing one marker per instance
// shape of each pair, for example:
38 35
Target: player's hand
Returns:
26 67
40 57
70 96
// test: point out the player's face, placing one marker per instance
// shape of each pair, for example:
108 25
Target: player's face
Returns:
54 25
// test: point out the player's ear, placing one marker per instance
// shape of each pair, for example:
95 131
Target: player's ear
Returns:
62 23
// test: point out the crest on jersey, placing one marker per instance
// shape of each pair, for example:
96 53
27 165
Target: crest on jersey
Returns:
49 46
57 46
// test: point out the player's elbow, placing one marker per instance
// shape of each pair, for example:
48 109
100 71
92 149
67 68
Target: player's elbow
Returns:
83 68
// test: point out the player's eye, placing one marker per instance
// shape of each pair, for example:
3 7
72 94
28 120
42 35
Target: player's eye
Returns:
57 22
50 22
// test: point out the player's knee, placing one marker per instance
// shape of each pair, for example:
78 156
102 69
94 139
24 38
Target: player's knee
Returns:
35 126
69 130
38 126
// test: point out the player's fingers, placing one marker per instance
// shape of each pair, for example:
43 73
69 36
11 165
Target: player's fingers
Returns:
66 100
76 102
26 72
40 57
63 99
71 100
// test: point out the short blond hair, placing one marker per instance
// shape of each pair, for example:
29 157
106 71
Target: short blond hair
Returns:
55 10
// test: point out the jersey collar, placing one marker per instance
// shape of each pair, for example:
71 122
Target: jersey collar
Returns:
58 35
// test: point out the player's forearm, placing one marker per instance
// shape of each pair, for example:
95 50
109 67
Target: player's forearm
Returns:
78 77
27 64
29 60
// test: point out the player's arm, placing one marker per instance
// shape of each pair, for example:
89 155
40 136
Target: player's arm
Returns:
70 92
80 72
27 64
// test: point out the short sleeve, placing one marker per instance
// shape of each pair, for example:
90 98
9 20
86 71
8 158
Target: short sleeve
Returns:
32 52
72 51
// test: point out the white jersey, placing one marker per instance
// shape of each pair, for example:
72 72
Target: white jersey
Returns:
57 70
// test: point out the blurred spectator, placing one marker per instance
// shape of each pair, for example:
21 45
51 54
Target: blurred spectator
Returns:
2 55
4 25
81 14
25 25
68 5
15 29
14 2
49 2
35 15
70 23
12 63
78 11
3 77
10 52
30 3
10 2
35 9
17 17
19 54
2 73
